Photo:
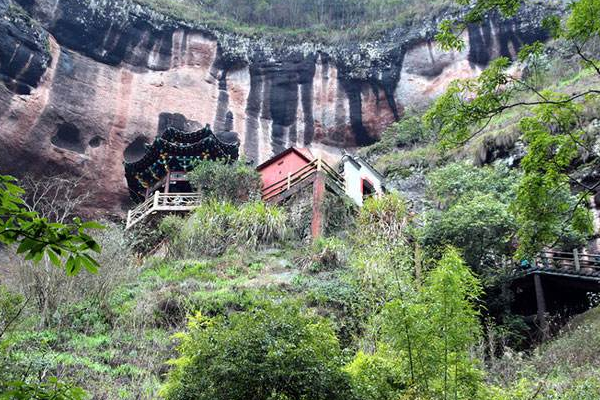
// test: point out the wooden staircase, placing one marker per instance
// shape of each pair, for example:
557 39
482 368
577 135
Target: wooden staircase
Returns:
302 177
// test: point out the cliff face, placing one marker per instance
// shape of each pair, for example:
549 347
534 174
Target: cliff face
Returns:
86 84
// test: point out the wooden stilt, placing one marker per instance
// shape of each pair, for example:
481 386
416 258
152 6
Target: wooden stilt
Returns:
317 205
167 182
576 260
541 307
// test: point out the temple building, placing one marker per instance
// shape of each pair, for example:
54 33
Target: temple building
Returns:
274 172
361 178
166 161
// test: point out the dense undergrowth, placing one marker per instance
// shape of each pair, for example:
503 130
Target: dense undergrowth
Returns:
361 315
297 20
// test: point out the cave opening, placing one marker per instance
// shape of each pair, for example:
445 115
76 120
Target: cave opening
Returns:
136 149
96 141
68 137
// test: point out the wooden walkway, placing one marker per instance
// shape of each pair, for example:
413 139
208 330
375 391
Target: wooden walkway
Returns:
162 202
560 263
555 280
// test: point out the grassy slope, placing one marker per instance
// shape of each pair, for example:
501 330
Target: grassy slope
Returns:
565 368
120 351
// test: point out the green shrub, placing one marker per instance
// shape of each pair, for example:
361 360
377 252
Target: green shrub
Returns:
170 225
268 353
258 223
383 217
325 254
376 376
382 256
52 389
457 180
216 225
402 163
234 182
206 231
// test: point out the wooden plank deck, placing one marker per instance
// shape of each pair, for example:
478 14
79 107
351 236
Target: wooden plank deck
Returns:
162 202
560 263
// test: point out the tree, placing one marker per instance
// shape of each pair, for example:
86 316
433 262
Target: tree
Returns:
434 331
66 244
554 132
275 352
236 182
471 212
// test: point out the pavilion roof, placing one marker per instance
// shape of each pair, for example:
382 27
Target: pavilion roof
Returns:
175 150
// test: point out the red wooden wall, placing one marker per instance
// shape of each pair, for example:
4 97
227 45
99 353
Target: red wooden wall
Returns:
278 170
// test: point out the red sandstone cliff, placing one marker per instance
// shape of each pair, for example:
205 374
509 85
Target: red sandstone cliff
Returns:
87 89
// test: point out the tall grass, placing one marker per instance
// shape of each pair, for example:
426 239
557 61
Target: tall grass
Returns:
217 225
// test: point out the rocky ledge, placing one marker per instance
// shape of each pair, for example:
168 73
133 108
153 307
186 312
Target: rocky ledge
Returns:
88 83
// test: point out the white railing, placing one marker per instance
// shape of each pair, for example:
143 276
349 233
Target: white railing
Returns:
162 202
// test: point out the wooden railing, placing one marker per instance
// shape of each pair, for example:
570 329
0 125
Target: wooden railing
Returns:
567 262
162 202
301 175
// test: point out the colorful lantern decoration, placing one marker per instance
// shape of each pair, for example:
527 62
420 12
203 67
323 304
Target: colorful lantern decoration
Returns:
175 150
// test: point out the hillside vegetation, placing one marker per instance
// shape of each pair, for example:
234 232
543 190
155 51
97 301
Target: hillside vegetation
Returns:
309 19
406 298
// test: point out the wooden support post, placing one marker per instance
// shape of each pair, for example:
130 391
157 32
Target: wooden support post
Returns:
541 307
167 182
289 180
317 206
156 195
544 258
576 259
128 219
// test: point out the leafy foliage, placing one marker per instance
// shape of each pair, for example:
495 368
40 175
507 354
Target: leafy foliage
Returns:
257 223
404 133
235 182
217 225
66 245
50 390
546 212
271 352
377 376
471 213
434 331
